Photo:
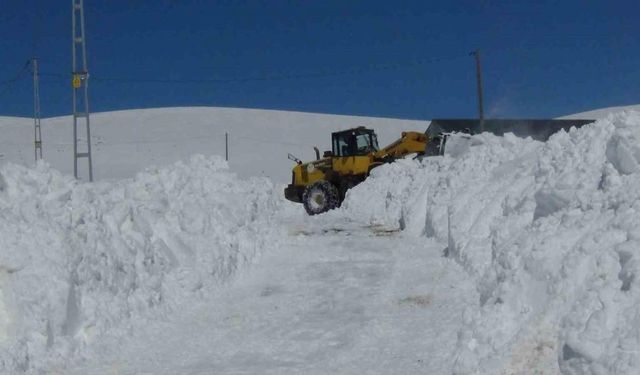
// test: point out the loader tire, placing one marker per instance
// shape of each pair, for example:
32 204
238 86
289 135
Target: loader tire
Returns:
320 197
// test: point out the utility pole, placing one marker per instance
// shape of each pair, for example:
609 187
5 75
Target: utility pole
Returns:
476 53
226 146
80 83
36 110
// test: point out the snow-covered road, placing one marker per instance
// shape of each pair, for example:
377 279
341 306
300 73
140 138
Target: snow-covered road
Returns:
334 299
189 269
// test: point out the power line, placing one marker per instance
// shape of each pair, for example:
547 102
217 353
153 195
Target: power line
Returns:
16 77
172 140
274 77
8 84
268 141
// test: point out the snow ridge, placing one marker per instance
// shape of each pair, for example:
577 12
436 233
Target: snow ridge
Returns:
79 262
551 234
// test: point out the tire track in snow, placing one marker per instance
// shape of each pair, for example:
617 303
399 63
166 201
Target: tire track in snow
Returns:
329 301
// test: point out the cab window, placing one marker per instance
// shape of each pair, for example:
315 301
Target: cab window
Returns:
352 143
366 143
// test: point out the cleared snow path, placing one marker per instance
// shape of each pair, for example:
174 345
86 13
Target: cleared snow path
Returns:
334 299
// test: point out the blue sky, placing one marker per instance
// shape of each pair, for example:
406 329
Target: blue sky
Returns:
407 59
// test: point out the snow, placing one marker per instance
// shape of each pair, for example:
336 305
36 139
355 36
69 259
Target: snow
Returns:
126 142
80 261
549 232
313 307
504 256
602 112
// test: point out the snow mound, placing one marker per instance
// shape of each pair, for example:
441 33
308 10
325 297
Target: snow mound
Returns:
82 261
551 233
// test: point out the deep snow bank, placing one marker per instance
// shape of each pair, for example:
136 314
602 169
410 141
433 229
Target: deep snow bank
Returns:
551 232
82 261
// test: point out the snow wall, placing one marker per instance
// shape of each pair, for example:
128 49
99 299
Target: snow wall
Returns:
80 262
551 233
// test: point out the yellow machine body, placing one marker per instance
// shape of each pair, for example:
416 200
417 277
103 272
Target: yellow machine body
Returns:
355 153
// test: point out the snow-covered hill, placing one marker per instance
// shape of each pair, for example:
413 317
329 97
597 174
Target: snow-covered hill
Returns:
126 142
602 112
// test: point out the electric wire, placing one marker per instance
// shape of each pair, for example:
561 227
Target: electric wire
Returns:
170 141
273 76
8 84
16 77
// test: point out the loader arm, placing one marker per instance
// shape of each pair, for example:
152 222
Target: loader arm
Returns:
409 143
321 185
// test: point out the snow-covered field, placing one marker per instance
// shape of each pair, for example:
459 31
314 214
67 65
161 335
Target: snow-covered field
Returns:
505 256
126 142
603 112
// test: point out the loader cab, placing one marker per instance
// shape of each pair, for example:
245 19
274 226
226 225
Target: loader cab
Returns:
354 142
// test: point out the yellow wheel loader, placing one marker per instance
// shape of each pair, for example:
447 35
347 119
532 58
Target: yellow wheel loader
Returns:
321 185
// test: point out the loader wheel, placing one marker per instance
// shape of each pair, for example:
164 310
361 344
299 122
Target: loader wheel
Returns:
320 197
